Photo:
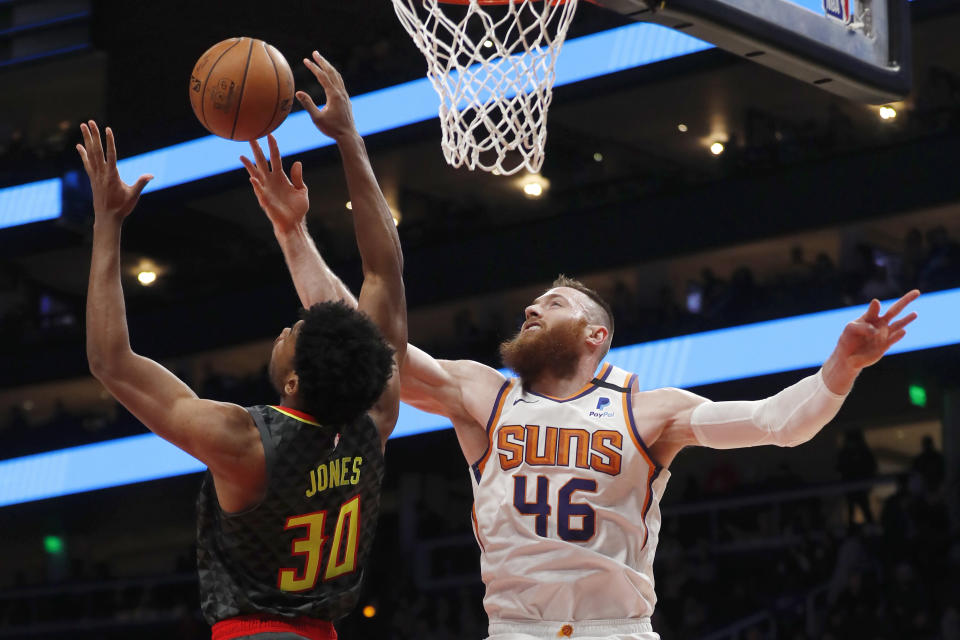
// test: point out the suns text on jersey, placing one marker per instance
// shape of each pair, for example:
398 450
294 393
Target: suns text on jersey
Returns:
334 473
600 450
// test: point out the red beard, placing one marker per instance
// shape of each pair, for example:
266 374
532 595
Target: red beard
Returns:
556 350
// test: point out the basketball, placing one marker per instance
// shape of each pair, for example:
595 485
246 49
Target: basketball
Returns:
241 89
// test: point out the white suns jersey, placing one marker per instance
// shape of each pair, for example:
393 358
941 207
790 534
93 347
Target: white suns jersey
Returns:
566 505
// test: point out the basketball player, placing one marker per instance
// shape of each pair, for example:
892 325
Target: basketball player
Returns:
569 462
288 509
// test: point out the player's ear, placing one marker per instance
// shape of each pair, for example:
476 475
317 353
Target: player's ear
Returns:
291 385
597 334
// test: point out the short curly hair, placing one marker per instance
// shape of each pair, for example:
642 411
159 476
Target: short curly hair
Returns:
342 362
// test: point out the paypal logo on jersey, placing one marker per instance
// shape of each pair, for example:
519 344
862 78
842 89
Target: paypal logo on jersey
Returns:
601 410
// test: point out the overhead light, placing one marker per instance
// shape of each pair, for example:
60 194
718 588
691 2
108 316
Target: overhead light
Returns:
396 216
146 271
369 611
888 113
488 44
533 189
598 157
349 205
716 148
533 185
682 128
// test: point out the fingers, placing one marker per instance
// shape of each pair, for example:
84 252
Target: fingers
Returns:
895 337
140 184
257 188
899 305
252 169
308 104
872 312
332 74
276 161
85 132
95 147
296 175
903 322
318 72
258 156
258 191
83 157
111 148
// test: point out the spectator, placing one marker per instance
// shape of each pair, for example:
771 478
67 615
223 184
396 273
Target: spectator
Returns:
929 464
856 463
942 264
911 260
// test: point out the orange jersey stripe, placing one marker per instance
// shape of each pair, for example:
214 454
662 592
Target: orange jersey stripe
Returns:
492 423
653 468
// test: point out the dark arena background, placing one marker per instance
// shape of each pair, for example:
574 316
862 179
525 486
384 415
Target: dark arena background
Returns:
697 192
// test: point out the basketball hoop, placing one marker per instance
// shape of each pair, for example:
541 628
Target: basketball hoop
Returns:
492 63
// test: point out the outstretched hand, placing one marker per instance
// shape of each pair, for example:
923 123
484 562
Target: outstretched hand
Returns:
284 200
335 119
112 197
865 340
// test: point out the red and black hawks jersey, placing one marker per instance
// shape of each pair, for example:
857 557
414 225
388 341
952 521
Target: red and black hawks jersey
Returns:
301 551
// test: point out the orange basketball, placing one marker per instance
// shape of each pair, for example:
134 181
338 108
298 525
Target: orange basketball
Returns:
241 89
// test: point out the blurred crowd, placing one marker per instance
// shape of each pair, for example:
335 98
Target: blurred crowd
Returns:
799 568
929 260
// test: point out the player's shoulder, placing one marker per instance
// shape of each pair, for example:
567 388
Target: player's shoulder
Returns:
474 373
666 400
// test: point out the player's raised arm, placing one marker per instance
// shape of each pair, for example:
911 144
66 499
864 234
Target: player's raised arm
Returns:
454 389
463 391
219 434
800 411
286 201
382 294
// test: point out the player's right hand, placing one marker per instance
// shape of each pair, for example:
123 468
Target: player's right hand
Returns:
335 119
284 200
112 197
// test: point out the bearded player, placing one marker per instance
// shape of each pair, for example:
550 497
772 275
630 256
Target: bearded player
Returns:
289 505
569 461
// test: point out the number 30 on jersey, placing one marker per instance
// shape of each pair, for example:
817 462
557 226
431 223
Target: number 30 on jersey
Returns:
342 558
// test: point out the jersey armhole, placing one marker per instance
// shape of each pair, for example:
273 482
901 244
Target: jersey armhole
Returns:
269 453
478 466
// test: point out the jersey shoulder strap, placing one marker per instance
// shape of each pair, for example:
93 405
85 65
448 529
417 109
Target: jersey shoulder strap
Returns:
614 379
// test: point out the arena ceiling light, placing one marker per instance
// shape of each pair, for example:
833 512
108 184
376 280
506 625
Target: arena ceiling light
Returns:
582 58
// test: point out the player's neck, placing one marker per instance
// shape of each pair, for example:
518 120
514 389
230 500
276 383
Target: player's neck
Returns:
291 402
549 384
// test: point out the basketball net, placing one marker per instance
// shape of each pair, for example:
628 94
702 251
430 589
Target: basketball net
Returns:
492 63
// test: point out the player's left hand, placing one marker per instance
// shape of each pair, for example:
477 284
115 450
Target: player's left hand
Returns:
335 119
865 340
112 197
284 200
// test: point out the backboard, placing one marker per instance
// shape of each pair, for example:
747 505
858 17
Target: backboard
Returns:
859 49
